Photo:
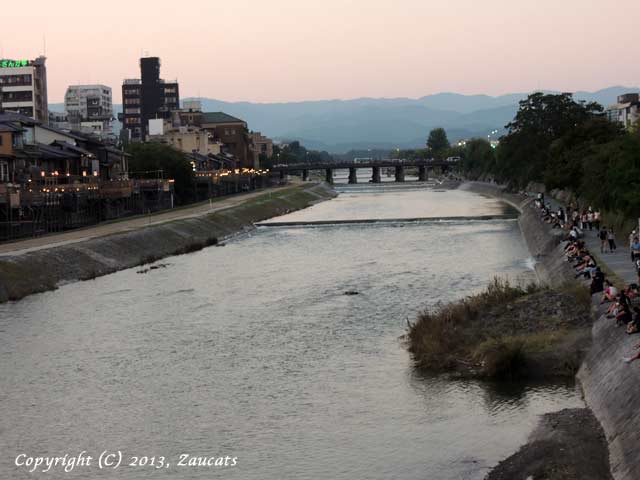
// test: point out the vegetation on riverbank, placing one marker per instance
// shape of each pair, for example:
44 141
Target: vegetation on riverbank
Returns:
565 145
505 331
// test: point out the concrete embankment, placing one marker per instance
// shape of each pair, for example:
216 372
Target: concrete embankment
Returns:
45 269
543 242
611 387
612 390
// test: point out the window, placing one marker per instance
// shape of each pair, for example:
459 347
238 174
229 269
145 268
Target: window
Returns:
17 96
16 80
129 111
4 171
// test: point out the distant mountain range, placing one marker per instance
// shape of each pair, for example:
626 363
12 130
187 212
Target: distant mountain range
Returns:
384 123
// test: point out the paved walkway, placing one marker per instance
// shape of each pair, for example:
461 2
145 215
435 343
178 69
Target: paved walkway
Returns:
619 262
126 225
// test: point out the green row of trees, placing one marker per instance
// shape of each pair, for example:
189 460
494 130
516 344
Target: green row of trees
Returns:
157 160
438 147
294 152
562 143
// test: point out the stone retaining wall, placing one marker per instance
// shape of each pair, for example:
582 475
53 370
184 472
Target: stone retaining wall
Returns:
41 270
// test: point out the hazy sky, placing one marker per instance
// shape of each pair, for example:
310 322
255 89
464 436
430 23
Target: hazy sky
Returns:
289 50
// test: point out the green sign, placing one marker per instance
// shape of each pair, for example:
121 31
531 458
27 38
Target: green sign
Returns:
14 63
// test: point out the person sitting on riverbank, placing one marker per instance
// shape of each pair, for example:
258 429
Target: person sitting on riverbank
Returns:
610 292
624 314
633 357
634 325
587 264
597 281
635 248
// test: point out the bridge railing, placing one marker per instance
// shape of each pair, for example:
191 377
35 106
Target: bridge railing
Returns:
367 164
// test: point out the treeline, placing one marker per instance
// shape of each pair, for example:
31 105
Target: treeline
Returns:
438 147
294 152
157 160
568 145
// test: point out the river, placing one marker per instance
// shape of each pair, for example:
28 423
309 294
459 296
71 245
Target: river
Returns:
253 350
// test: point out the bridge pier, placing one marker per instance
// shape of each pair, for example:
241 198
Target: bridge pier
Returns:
375 177
305 175
329 175
400 173
353 176
282 174
422 173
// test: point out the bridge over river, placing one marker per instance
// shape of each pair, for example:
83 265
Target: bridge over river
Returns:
399 165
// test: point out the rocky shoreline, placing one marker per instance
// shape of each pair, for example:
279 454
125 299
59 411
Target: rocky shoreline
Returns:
566 445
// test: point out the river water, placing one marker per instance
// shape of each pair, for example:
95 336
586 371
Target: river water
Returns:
252 350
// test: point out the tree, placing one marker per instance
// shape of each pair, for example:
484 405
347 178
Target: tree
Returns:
478 158
155 160
524 153
437 141
565 167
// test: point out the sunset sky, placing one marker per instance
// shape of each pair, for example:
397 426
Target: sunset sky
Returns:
291 50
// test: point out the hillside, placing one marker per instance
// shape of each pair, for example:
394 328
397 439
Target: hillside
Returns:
341 125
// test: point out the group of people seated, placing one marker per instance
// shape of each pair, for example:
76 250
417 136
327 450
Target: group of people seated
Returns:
621 307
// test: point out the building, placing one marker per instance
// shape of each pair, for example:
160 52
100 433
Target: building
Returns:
262 145
23 87
89 109
30 150
187 139
626 111
147 98
234 135
59 120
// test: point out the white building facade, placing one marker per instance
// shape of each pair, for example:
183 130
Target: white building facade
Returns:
89 109
23 87
626 111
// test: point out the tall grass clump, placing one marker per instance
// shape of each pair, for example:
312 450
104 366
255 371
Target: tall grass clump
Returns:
442 337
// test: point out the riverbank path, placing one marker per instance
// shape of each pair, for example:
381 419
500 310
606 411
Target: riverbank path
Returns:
130 223
619 262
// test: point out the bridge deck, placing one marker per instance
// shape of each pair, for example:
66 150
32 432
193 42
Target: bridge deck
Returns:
374 163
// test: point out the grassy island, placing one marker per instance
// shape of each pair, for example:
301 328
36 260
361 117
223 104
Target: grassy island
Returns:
505 331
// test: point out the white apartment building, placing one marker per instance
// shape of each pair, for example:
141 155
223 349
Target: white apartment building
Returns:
626 111
89 109
23 87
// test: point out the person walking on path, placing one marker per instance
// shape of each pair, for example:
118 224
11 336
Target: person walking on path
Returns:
603 235
590 219
632 235
583 221
612 240
596 219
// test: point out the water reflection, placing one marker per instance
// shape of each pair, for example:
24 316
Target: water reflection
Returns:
255 350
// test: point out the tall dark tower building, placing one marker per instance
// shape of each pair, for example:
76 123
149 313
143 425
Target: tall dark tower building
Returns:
147 98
